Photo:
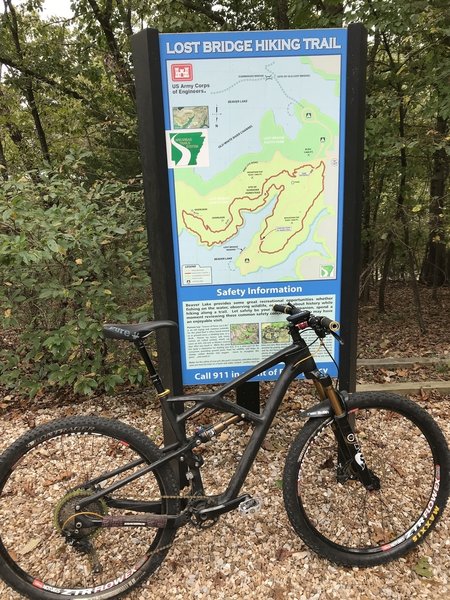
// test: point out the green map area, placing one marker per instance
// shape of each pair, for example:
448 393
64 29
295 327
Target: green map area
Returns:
288 174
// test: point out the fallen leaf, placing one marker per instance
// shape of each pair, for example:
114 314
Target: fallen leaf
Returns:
31 421
32 545
283 553
424 395
328 464
61 477
267 445
29 488
379 535
423 567
278 592
13 555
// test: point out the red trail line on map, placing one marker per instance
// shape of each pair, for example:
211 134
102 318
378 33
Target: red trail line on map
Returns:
264 196
263 237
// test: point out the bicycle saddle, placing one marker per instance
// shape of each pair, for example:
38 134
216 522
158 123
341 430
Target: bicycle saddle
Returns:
134 331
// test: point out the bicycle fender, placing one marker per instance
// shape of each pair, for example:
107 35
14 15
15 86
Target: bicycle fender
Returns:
323 409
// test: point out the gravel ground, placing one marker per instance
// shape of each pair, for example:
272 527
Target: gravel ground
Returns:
259 556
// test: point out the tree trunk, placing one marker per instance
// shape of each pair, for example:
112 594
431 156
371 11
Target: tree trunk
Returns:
28 89
366 245
29 92
280 14
367 242
403 217
333 11
125 15
400 214
117 61
385 274
3 163
435 270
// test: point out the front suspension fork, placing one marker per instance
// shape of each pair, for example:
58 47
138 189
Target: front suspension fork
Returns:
351 461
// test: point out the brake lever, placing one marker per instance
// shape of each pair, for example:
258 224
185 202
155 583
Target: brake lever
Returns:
338 337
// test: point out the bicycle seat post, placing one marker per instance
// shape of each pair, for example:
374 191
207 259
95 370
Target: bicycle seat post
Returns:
153 373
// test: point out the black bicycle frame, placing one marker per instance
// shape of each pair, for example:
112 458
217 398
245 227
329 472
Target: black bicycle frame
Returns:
297 359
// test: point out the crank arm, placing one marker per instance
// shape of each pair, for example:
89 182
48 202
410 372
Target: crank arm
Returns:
214 511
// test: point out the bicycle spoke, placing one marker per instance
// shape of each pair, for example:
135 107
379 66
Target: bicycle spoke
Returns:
397 453
38 505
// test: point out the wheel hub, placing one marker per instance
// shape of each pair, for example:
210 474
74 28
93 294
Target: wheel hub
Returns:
65 513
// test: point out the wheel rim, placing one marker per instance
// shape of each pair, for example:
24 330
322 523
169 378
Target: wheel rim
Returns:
349 517
41 488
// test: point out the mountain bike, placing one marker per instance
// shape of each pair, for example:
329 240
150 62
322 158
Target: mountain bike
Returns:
90 506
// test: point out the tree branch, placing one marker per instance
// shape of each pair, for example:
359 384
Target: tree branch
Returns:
29 91
3 163
121 70
12 64
280 14
125 15
208 12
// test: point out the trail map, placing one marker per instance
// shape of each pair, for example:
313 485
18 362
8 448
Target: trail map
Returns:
254 147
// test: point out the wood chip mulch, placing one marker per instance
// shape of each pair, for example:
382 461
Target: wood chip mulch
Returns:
258 557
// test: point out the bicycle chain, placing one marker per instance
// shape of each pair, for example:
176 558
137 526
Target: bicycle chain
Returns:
185 497
168 546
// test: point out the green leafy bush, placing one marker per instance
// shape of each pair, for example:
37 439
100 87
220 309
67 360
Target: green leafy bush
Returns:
73 254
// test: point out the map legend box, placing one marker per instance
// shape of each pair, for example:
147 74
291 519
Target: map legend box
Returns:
196 275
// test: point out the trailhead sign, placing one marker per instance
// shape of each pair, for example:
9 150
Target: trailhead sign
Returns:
255 153
259 160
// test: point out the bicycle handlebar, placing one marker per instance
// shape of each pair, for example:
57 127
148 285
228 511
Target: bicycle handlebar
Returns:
283 308
329 324
298 316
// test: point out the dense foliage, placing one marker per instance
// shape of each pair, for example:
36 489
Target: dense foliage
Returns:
72 255
72 239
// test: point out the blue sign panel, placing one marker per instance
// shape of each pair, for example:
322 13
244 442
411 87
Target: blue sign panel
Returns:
255 125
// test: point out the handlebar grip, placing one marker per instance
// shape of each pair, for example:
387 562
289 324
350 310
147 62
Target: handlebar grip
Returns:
329 324
282 308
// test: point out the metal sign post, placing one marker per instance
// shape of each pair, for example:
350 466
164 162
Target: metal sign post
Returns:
353 201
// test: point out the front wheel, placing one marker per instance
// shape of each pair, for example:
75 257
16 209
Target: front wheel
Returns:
43 477
347 524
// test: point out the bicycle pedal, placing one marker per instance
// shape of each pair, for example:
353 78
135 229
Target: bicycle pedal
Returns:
250 507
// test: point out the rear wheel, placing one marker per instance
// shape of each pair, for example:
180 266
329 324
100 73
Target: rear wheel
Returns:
43 477
344 522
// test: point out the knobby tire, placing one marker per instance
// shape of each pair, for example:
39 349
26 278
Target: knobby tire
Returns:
348 524
41 481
